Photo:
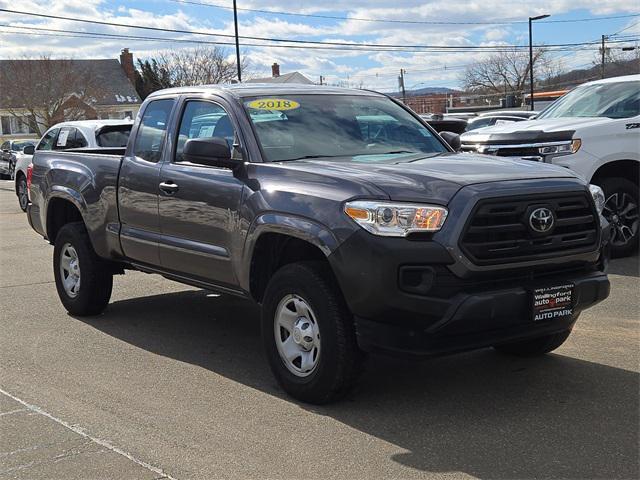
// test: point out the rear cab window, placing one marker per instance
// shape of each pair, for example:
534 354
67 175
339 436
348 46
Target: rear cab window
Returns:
113 136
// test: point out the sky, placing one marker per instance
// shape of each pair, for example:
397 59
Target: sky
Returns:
479 23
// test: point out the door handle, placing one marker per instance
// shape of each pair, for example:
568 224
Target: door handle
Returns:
169 187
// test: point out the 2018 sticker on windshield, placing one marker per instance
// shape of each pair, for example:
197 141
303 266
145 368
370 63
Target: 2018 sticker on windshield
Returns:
278 104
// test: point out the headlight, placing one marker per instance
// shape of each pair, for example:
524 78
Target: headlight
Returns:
395 219
598 197
563 149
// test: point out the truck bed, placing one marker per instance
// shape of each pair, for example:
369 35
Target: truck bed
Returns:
89 179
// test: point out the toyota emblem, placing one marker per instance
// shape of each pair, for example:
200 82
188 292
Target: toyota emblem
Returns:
541 220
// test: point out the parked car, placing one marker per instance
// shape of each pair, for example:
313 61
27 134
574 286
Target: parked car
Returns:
441 123
71 135
10 151
353 234
594 130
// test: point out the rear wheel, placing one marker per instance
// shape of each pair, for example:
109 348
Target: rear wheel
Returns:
21 191
308 334
535 346
83 280
621 210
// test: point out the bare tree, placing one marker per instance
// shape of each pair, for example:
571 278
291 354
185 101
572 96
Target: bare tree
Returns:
506 72
618 61
43 92
198 66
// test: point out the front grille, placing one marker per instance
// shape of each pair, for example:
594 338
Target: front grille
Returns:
517 152
498 229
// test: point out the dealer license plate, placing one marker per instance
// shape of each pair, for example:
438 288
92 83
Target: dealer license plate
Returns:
553 303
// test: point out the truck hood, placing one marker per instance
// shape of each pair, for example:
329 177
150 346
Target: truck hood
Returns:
548 129
431 178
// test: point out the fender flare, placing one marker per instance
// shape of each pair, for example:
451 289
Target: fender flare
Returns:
64 193
302 228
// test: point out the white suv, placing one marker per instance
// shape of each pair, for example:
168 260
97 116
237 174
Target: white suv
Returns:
595 131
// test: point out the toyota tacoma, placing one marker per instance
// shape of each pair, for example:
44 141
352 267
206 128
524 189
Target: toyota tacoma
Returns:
342 213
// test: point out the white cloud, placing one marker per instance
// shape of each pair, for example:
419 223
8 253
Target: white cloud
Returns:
375 69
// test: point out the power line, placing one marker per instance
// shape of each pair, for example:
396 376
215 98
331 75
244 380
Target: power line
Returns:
359 46
351 47
626 28
382 20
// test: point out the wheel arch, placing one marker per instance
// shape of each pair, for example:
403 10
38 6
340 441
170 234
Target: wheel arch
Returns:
64 206
629 169
19 174
276 240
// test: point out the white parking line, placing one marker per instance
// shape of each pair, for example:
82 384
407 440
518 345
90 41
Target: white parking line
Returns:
80 431
17 410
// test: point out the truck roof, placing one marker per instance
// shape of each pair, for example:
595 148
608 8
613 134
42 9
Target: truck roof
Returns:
623 78
94 124
257 89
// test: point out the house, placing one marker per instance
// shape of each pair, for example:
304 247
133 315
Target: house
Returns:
293 77
35 94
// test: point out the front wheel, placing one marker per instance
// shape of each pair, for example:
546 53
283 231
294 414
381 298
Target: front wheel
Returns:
621 211
83 280
308 334
534 347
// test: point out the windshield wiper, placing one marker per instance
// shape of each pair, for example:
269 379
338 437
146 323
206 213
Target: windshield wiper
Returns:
305 157
394 152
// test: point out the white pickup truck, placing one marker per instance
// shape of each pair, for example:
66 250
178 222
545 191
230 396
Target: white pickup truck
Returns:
594 130
71 135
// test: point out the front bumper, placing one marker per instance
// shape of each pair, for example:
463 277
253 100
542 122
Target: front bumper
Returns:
423 296
481 319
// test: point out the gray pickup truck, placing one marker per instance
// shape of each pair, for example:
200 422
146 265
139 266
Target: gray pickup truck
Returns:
353 224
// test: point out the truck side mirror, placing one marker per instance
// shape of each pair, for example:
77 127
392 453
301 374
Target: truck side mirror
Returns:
212 152
453 139
29 150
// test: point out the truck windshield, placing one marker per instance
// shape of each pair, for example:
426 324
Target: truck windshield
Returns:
612 100
294 127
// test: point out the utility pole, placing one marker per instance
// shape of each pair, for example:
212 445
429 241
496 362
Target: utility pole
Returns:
531 20
235 22
321 80
404 93
603 52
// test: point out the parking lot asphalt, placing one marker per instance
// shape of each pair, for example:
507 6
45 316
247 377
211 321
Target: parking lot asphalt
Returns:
171 382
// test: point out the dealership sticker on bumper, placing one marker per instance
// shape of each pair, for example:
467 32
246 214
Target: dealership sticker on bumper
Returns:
552 303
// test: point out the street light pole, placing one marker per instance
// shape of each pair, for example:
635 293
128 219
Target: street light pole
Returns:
531 20
235 22
603 51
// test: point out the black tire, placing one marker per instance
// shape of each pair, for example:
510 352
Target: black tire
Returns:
21 192
340 361
620 194
94 292
535 346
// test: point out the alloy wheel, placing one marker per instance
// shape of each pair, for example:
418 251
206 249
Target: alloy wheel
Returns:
23 196
621 210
